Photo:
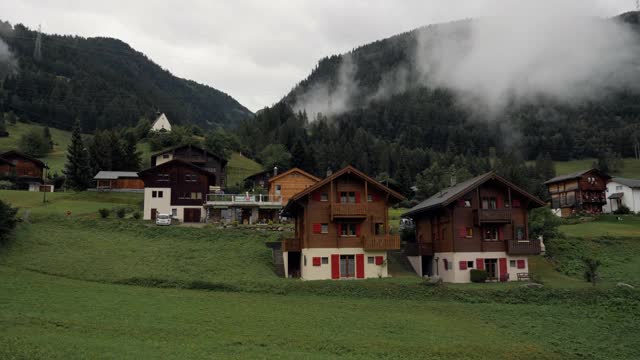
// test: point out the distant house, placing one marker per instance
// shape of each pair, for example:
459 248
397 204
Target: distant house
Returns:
582 191
341 229
481 223
7 168
25 170
161 124
127 181
290 183
197 156
260 180
623 191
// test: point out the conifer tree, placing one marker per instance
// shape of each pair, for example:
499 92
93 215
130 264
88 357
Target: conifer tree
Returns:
77 168
46 133
131 154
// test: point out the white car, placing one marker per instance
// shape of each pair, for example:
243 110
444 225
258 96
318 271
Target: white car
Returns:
163 219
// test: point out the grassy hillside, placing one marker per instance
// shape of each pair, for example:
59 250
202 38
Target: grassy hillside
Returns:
631 167
239 166
61 281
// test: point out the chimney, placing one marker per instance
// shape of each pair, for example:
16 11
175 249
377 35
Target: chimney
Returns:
275 171
329 172
453 180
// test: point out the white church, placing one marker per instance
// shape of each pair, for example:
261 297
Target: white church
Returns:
161 124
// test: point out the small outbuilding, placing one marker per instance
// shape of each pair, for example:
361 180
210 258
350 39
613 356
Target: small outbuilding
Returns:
123 181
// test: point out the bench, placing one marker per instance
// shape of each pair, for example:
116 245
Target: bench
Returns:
523 276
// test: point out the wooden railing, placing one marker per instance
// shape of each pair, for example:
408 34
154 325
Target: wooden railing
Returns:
348 210
493 215
381 242
291 245
523 247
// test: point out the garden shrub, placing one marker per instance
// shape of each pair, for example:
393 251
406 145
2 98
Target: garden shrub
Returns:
137 215
622 210
120 212
478 276
104 213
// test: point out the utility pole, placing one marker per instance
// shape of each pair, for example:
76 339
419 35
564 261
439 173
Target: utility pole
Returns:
37 51
44 181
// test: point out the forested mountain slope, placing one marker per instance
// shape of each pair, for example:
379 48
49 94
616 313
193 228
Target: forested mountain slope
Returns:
102 81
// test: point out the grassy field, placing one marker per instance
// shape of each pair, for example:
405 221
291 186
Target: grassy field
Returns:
239 168
631 167
63 295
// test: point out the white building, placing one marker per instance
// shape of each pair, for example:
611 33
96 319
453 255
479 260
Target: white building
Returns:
161 124
621 191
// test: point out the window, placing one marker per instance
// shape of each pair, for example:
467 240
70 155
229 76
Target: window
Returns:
555 201
160 193
348 197
325 260
469 232
512 263
305 260
379 228
489 203
190 177
165 156
163 177
467 203
154 194
324 228
324 197
491 233
278 189
520 233
515 203
348 229
618 187
470 264
370 260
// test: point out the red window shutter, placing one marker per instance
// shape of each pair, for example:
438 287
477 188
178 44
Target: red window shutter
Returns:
357 197
515 203
339 229
317 228
462 232
521 264
335 266
480 264
316 196
461 202
501 233
379 260
360 266
376 197
502 264
357 229
499 202
463 265
316 261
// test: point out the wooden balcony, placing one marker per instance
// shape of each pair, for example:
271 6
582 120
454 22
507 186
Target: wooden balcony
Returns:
339 210
495 216
523 247
381 242
291 245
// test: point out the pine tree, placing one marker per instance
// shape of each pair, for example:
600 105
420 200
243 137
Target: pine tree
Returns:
77 168
46 133
298 155
3 128
100 152
131 154
118 157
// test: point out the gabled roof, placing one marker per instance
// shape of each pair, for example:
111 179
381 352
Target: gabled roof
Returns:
575 175
347 170
176 162
112 175
632 183
447 196
291 171
5 161
23 155
224 161
162 118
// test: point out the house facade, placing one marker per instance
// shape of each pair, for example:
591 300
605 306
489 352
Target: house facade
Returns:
621 191
27 171
178 188
200 157
161 124
118 181
481 223
290 183
341 229
582 191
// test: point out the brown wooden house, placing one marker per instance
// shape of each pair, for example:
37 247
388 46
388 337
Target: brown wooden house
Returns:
7 168
341 228
127 181
27 171
481 223
177 188
195 155
290 182
582 191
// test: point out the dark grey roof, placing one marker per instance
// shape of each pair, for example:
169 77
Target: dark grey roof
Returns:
632 183
112 175
574 175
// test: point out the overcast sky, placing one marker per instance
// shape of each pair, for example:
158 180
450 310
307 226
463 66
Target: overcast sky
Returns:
256 51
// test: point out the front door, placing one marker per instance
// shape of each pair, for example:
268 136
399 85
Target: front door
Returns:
490 267
347 266
154 214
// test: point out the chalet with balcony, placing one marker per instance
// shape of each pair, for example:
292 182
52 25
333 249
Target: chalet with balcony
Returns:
195 155
177 188
341 228
579 192
481 223
26 171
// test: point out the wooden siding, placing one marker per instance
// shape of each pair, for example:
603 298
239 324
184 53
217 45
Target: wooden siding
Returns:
201 158
586 193
24 167
120 184
290 185
198 182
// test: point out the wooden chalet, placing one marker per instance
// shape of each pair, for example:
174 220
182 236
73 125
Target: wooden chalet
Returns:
481 223
7 168
579 192
341 228
125 181
195 155
26 171
290 183
178 188
260 180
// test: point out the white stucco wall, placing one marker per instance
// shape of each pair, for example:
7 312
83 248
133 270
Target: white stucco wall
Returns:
160 159
323 272
631 197
163 204
161 123
455 275
416 264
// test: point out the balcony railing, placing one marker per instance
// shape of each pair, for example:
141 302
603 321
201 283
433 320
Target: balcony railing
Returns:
243 199
291 245
381 242
492 215
523 247
348 210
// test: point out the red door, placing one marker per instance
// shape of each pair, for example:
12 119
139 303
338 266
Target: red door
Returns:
154 214
504 276
335 266
360 266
